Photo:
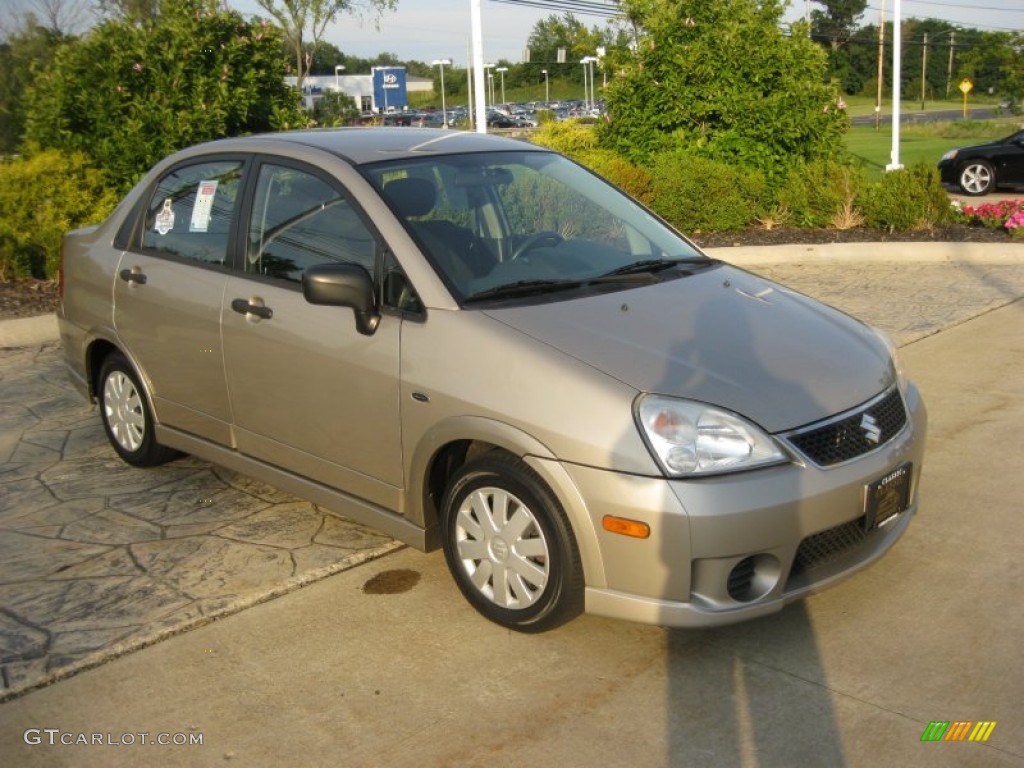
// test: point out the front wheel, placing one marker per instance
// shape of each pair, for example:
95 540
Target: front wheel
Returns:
127 417
509 545
977 178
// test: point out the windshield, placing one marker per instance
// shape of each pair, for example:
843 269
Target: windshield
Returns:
518 224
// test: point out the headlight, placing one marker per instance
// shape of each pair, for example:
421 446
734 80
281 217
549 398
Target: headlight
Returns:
950 155
894 355
690 438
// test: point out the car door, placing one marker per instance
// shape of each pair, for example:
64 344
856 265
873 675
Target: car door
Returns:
169 289
309 392
1014 161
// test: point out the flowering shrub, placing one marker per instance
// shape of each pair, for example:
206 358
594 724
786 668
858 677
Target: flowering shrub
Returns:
1006 214
1015 224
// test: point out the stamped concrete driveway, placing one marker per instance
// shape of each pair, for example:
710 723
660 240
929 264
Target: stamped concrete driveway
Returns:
97 557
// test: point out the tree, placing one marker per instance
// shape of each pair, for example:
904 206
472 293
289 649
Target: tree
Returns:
838 21
128 10
566 32
129 93
1013 68
992 62
31 49
721 79
297 17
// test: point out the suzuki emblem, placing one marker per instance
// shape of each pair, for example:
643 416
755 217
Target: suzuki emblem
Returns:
871 429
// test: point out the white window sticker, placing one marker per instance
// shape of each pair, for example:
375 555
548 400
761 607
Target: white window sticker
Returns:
203 207
165 218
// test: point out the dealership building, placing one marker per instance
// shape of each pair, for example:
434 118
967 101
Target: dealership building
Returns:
385 89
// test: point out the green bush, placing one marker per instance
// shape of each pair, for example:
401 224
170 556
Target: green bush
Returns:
41 198
545 116
569 137
128 93
907 199
635 181
817 192
700 195
721 78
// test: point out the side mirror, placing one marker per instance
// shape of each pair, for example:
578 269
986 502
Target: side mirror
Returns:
343 285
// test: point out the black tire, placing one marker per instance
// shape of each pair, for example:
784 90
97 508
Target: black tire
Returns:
521 568
977 177
127 417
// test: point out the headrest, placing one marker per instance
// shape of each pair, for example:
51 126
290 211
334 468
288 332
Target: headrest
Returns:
411 196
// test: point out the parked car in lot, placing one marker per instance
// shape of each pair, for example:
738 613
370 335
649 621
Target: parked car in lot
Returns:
473 343
979 169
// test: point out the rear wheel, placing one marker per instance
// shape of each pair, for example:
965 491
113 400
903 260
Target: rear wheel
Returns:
509 545
127 417
977 178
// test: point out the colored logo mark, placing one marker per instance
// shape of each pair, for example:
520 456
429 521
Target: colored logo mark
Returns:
958 730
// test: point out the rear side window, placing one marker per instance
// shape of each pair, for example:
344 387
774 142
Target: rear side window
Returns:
299 221
190 213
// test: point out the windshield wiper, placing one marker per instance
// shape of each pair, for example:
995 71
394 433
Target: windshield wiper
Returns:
523 288
651 266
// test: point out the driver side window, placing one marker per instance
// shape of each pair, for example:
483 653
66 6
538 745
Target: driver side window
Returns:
299 221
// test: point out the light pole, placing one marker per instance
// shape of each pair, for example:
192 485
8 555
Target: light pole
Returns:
586 100
502 70
547 87
444 110
488 81
338 69
588 67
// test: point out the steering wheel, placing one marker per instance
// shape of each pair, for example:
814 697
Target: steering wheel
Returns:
547 236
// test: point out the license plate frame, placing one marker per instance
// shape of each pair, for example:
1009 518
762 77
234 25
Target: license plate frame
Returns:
887 497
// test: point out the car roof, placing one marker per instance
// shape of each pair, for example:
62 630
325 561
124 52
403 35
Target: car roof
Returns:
360 146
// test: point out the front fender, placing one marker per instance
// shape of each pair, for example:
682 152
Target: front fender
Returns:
422 511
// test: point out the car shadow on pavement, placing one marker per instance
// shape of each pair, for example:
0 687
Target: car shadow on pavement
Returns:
98 558
761 687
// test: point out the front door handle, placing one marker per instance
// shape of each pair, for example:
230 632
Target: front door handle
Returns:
246 307
133 275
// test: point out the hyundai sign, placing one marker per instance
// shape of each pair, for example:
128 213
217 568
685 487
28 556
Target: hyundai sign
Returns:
389 91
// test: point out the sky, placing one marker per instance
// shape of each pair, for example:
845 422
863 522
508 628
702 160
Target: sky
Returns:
425 30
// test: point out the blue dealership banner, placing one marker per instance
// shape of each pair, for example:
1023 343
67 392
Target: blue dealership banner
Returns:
389 89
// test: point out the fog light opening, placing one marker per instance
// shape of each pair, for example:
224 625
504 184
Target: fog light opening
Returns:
753 577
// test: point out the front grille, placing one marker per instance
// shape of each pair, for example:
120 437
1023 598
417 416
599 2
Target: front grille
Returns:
821 548
851 435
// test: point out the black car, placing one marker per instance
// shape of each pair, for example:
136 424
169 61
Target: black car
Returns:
978 170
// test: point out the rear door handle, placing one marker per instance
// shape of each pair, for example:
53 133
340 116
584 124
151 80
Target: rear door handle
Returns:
133 275
246 307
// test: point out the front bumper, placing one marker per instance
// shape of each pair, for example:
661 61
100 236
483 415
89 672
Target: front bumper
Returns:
734 547
947 172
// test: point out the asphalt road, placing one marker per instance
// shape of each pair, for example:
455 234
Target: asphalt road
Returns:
910 115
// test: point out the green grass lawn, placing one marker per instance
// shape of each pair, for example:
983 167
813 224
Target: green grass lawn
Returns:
924 143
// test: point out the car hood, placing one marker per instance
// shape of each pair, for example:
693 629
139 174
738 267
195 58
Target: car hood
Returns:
988 145
722 336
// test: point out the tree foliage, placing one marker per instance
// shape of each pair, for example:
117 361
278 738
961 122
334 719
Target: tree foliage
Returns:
719 78
305 21
566 31
28 50
129 93
838 21
553 33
